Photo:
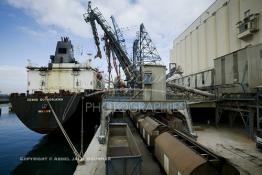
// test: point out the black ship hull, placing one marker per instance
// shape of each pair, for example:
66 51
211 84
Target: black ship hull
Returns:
35 113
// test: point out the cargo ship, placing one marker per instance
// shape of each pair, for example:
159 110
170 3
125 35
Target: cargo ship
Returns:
67 85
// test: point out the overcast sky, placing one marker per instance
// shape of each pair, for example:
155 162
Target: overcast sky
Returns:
30 28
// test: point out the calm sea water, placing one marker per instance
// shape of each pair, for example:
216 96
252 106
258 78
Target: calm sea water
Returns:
23 151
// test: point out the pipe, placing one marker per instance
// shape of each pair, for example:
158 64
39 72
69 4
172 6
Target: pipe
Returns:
196 91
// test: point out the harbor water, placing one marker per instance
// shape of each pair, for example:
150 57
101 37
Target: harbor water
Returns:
23 151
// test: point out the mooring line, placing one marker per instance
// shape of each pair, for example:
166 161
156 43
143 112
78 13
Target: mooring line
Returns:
77 155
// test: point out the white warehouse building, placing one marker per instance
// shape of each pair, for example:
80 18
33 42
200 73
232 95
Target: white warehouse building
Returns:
222 46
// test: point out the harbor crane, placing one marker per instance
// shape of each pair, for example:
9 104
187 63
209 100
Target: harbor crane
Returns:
94 16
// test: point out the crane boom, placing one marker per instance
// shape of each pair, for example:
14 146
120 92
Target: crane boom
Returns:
93 15
119 35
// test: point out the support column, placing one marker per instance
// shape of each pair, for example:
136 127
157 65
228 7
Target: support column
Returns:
258 110
251 122
232 118
218 115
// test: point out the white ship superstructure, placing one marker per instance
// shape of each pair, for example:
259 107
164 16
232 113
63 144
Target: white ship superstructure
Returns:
63 73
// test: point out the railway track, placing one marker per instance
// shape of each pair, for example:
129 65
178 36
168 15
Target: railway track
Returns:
241 153
247 163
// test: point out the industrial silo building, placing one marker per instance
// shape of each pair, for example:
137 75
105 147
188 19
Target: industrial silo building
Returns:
222 47
221 52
